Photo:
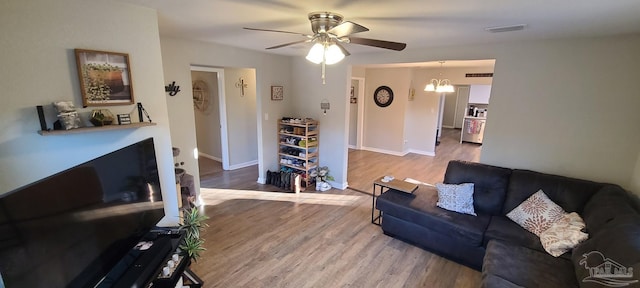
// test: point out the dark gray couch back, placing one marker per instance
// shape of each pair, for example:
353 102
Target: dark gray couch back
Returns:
490 186
570 193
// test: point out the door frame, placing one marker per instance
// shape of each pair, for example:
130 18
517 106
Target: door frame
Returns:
224 138
360 119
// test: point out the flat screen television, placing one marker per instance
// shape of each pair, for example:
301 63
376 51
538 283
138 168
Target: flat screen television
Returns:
72 228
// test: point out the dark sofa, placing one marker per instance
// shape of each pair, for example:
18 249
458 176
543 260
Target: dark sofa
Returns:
507 254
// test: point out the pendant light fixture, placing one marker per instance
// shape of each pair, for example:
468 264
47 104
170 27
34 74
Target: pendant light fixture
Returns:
439 85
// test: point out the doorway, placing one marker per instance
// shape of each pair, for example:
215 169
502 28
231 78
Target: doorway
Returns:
356 112
210 114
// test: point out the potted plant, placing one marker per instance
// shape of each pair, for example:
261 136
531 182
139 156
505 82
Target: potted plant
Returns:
192 224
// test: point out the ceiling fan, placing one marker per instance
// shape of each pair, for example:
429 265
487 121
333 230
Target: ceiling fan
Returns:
329 33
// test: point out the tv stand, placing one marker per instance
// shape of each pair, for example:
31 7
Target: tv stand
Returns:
144 267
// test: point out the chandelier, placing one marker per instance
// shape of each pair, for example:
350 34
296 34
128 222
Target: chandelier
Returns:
439 85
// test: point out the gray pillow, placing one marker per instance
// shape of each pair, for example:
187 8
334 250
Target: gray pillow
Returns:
457 198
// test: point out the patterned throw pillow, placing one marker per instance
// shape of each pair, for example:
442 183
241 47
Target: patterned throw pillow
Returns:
563 235
537 213
457 198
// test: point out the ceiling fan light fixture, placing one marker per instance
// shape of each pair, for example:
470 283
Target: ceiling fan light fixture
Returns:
333 54
316 54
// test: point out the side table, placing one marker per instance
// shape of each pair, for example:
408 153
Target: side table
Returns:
379 185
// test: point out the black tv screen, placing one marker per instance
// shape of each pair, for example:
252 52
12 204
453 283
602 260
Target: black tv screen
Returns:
70 229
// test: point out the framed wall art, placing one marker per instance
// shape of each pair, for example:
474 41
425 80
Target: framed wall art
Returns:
105 78
277 93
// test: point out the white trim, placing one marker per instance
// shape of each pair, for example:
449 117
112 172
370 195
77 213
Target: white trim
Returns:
360 120
396 153
353 147
340 186
224 138
205 155
447 126
262 180
243 165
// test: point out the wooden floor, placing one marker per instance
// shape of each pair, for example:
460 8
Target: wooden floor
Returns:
267 239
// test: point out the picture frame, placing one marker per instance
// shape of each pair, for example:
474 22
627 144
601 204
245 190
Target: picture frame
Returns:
353 99
277 93
105 78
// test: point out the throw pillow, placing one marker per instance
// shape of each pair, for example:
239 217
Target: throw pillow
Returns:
537 213
563 235
457 198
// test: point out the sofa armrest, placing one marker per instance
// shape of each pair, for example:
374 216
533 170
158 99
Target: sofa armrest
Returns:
609 203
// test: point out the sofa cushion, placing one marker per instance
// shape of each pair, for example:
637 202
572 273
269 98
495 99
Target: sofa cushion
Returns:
608 203
502 228
618 243
570 193
493 281
456 197
420 208
537 213
525 267
490 184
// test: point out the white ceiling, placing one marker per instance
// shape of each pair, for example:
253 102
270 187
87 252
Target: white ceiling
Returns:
419 23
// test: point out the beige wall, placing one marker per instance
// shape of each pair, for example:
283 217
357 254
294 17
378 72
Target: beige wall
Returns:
635 178
208 121
384 127
559 106
241 117
38 38
178 55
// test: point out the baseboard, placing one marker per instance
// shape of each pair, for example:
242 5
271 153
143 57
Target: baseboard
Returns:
395 153
447 126
426 153
337 185
205 155
242 165
261 181
352 147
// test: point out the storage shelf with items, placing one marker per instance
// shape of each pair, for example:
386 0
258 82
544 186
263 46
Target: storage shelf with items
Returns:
298 150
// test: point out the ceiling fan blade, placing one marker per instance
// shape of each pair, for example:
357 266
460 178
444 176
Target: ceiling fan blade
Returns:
344 51
397 46
287 44
278 31
347 28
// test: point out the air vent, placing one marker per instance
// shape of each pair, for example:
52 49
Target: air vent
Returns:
478 75
498 29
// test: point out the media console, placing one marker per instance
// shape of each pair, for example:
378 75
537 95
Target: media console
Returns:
154 262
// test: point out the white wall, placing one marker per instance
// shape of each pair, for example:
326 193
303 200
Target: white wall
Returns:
178 55
559 106
208 121
307 93
38 38
241 117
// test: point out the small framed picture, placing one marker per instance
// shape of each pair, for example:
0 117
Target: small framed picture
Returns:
277 93
105 78
353 99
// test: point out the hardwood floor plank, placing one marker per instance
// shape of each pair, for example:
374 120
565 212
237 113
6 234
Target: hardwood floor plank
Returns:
258 237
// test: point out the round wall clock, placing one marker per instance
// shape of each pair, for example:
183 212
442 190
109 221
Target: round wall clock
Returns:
383 96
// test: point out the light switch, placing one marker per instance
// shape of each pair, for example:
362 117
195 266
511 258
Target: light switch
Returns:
266 116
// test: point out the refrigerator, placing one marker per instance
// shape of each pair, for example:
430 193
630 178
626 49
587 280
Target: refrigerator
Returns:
473 129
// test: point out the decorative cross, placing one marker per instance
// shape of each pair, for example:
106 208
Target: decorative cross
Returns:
240 84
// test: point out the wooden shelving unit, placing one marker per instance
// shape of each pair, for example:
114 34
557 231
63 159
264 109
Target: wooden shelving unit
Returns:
298 147
96 129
